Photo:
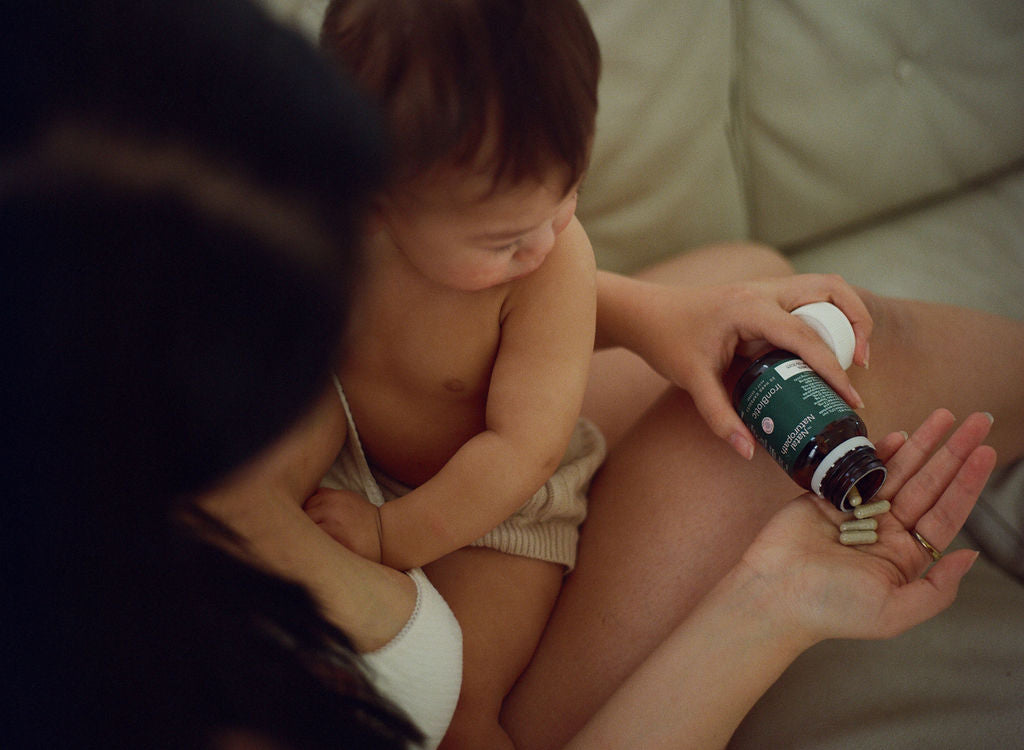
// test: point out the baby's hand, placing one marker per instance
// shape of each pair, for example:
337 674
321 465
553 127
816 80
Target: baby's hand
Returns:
349 518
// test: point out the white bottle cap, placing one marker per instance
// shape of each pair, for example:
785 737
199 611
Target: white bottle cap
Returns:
835 330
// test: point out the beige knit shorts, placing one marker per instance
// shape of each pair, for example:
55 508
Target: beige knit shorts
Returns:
546 527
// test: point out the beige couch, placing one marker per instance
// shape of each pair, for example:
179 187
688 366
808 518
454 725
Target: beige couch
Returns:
879 139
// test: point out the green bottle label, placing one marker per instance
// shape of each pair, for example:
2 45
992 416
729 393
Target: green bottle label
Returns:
787 406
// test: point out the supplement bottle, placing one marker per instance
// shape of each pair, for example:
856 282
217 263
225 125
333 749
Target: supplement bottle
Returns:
804 424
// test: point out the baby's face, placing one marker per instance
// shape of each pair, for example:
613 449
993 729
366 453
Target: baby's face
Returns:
461 240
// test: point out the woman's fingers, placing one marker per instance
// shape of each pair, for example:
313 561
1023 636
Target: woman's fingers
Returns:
911 456
933 487
804 288
943 471
712 401
943 520
887 447
774 324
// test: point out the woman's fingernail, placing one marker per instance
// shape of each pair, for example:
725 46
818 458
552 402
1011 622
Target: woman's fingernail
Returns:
905 434
991 419
741 445
867 355
858 402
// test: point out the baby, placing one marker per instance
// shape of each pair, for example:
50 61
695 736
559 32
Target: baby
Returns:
471 336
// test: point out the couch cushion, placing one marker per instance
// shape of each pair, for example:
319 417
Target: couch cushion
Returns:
967 250
996 525
662 177
849 109
304 15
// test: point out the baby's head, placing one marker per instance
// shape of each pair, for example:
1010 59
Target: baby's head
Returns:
501 89
490 106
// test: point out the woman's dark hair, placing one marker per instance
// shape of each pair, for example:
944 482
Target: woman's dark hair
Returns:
181 189
450 75
156 344
221 74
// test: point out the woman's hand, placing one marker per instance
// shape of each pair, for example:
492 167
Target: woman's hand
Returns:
348 518
690 335
876 591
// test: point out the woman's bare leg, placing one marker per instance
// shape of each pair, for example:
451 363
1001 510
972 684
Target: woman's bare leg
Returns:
674 508
621 582
671 510
926 355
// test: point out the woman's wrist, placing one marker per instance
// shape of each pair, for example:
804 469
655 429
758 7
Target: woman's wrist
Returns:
767 599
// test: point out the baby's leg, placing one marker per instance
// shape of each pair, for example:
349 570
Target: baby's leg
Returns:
502 603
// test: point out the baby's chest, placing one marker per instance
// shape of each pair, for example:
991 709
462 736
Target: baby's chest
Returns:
436 348
417 381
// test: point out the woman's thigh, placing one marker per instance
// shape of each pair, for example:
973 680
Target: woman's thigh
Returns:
926 355
670 511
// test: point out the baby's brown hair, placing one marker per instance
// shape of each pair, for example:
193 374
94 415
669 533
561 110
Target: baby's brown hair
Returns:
506 86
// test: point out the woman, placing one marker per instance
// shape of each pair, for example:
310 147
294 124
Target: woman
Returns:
202 407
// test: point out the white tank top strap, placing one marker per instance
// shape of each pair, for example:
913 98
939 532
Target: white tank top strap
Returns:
351 470
420 669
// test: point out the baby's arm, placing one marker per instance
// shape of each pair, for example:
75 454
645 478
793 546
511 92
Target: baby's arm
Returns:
533 402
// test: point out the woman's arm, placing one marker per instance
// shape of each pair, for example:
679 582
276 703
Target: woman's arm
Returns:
262 503
796 586
696 687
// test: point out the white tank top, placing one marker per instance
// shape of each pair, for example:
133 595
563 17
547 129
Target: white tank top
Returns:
420 669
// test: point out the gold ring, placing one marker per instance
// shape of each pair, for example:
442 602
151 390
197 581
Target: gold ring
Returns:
926 545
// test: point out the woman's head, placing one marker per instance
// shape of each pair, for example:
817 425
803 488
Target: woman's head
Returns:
183 187
182 183
220 77
505 88
158 302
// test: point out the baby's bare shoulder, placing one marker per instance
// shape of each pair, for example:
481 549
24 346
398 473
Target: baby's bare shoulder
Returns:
565 279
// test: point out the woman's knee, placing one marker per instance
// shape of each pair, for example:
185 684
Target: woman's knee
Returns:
752 259
720 263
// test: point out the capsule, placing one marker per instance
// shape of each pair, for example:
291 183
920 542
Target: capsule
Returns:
853 497
864 524
872 509
858 537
